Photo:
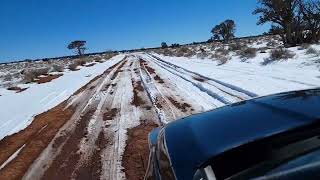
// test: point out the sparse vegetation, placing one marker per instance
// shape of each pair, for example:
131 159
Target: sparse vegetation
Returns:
278 54
8 77
223 60
31 75
74 66
248 53
168 52
311 50
236 46
222 51
304 46
57 68
184 52
81 62
282 53
272 43
202 55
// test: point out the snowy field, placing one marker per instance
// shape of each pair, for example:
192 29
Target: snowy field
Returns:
300 72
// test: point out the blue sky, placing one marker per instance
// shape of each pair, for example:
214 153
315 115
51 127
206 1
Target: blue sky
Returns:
42 28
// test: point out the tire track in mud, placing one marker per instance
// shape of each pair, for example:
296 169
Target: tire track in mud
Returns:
165 110
181 97
136 154
80 153
226 89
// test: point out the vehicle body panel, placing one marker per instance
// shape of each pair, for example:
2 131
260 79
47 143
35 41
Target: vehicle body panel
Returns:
193 140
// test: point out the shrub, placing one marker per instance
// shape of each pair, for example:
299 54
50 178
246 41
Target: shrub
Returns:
259 42
213 47
32 74
248 53
263 50
81 62
29 77
202 55
167 52
311 50
272 43
41 71
236 46
216 56
7 77
184 51
279 54
304 46
220 58
104 56
223 60
73 66
57 68
96 58
222 51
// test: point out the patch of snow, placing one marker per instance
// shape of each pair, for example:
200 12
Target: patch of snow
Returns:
18 109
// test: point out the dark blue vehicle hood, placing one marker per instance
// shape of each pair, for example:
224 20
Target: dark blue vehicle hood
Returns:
197 138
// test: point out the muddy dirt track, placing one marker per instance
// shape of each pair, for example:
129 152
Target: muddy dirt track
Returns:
101 131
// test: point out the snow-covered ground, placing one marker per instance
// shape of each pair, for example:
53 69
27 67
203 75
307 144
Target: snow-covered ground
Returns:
300 72
18 109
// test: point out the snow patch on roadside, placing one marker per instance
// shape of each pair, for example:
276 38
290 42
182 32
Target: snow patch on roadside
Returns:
298 73
18 109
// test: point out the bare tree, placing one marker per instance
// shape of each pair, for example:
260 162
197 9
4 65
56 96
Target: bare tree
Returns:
79 46
224 31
